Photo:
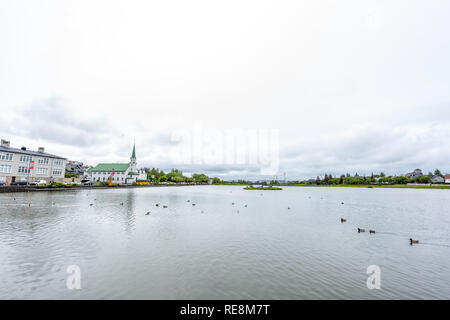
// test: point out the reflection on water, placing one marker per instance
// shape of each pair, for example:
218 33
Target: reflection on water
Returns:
254 249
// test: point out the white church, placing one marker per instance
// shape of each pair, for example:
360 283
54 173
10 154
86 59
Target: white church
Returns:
120 173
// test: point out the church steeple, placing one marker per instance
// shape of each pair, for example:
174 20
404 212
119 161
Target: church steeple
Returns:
133 163
133 155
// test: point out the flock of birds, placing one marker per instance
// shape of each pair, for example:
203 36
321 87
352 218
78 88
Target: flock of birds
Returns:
343 220
411 241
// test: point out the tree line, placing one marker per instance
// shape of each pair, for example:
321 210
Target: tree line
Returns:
381 178
157 176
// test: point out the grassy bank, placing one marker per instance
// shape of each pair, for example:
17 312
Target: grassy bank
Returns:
392 186
262 188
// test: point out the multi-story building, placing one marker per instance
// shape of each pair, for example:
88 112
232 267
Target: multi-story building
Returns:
22 164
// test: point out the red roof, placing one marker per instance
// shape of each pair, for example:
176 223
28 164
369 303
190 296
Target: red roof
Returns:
447 176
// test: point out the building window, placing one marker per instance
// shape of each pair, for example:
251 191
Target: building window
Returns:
43 161
6 156
42 170
5 168
58 162
23 170
57 172
25 158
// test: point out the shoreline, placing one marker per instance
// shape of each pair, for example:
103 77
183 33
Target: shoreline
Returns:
369 186
15 189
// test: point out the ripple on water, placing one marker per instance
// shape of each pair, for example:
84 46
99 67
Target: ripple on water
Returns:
263 252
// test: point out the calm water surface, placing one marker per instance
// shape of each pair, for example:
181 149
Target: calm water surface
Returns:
216 250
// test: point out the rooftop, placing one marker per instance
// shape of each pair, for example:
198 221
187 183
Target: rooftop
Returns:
30 152
110 167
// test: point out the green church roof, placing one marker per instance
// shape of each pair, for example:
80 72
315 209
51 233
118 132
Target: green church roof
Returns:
109 167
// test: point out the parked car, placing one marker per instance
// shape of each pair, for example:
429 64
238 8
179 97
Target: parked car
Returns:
38 183
19 183
89 183
2 183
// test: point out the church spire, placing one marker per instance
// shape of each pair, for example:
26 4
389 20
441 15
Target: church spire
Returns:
133 155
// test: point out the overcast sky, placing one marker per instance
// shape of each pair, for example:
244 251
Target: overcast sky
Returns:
351 86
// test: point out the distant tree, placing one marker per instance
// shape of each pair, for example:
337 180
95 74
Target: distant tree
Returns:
422 179
333 181
401 180
354 180
200 177
437 172
341 179
382 175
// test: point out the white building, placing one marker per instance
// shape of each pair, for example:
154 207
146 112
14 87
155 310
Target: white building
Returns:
22 164
142 174
121 173
437 179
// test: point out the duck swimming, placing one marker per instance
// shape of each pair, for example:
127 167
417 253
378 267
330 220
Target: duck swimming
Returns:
361 230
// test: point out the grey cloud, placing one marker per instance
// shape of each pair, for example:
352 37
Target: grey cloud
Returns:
371 149
54 120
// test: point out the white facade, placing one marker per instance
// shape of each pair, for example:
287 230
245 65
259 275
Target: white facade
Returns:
142 174
15 165
120 173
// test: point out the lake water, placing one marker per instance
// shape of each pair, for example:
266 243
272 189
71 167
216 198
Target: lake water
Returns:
216 250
